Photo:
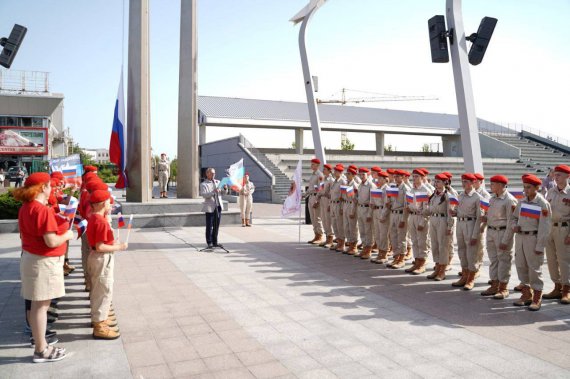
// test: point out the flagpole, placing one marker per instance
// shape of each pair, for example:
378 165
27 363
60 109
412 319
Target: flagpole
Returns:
129 229
300 207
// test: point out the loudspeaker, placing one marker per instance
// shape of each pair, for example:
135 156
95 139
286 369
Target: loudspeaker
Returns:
11 45
481 40
438 39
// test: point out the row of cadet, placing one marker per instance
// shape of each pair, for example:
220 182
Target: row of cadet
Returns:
44 220
402 216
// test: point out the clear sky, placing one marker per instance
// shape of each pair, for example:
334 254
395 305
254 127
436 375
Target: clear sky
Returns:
249 49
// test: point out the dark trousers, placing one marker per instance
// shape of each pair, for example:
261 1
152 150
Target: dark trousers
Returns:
212 225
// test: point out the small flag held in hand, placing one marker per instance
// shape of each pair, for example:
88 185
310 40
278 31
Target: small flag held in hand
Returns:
121 221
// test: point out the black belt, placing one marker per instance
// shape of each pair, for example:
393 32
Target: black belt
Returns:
532 233
398 212
438 215
336 201
363 205
313 194
416 213
497 227
466 218
561 224
377 206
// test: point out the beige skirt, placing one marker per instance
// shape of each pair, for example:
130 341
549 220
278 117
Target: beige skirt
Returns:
42 277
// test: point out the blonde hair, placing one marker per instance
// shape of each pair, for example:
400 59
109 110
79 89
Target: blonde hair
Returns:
28 194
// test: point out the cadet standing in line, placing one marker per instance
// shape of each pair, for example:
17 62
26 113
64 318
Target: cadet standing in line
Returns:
558 244
398 219
479 186
246 199
314 210
163 175
441 225
418 221
323 197
336 201
365 212
499 237
468 214
380 215
451 193
349 212
531 222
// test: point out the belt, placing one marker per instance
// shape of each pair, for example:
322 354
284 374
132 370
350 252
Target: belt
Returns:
397 212
497 227
336 201
377 207
532 233
314 194
161 170
416 213
466 218
438 215
363 205
561 224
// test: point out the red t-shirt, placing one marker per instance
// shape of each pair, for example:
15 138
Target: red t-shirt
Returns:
99 230
35 220
84 207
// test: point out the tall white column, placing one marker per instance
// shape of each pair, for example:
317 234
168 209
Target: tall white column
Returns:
138 105
188 178
463 90
380 143
299 141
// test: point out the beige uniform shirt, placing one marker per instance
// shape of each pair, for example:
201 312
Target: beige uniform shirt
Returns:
351 200
418 207
439 205
500 213
164 166
247 189
326 190
315 179
335 188
399 203
379 201
470 206
364 195
528 224
560 203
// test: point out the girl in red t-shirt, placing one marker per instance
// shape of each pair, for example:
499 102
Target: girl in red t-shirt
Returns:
41 266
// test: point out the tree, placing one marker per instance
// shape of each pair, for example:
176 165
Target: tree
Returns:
426 148
86 159
346 145
389 147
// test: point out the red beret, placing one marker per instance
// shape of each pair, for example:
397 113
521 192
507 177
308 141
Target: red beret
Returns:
57 175
383 174
99 195
353 166
37 178
442 177
531 179
339 167
468 176
363 169
316 160
352 170
376 169
94 184
90 169
448 174
479 176
405 173
500 179
391 171
419 172
54 182
328 166
425 170
89 176
562 168
246 174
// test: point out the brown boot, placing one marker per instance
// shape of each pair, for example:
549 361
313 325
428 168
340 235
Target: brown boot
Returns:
243 222
347 247
519 287
394 261
334 244
536 301
381 257
502 292
470 283
477 274
352 250
491 291
526 297
556 293
400 262
102 331
434 273
329 242
441 273
409 254
374 248
461 282
413 267
366 253
110 323
565 298
420 266
311 241
340 246
247 223
318 238
359 246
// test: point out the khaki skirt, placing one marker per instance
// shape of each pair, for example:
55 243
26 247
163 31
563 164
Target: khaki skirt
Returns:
42 277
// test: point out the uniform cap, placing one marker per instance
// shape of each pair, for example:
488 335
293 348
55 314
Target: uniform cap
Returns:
448 174
363 169
562 168
383 174
93 184
90 169
37 178
419 171
352 170
500 179
57 175
531 179
99 196
425 170
405 173
328 166
391 171
442 177
376 169
468 176
479 176
339 167
316 160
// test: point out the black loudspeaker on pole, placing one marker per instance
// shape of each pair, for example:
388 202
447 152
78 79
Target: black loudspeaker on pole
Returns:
481 40
11 45
438 39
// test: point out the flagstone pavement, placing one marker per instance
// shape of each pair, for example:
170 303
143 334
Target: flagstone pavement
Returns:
274 307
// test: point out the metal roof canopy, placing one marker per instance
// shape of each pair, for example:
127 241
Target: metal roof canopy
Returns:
270 114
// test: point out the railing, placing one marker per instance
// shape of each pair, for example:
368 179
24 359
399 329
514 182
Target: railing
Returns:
24 81
515 129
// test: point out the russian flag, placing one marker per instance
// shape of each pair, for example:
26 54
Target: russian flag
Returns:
81 227
121 222
322 185
118 145
392 192
409 198
517 193
316 187
71 209
349 191
343 189
484 204
532 211
453 200
422 197
69 172
376 193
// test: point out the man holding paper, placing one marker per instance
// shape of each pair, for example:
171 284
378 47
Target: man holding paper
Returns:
210 191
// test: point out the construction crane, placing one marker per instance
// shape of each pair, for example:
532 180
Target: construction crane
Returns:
378 97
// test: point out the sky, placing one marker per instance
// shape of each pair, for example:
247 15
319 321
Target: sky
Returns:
249 49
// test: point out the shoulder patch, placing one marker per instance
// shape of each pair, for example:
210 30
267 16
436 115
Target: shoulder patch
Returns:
513 207
545 212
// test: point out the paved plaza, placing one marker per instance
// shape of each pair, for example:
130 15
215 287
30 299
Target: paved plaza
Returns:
277 308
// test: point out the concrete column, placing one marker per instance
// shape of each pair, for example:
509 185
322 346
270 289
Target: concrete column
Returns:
463 90
138 105
299 141
380 143
188 161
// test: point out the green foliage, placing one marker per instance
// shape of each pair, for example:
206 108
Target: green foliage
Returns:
106 174
86 159
346 145
426 148
9 206
173 169
389 147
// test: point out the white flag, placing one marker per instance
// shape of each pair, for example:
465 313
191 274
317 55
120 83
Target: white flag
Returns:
292 204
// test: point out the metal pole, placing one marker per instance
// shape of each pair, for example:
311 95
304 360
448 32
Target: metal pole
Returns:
188 161
463 90
310 91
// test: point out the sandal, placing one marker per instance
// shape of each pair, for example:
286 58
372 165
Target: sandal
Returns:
56 354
